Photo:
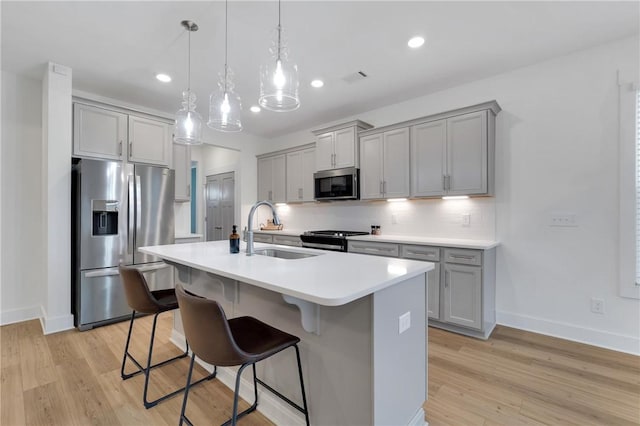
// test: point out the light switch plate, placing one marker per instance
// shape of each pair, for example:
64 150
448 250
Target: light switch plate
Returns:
404 322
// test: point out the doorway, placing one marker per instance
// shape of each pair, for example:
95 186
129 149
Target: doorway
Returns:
220 201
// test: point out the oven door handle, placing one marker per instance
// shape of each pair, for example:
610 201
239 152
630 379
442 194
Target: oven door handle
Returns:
323 246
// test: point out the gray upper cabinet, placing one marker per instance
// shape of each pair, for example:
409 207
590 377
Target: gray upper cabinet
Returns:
98 132
467 160
149 141
182 167
337 147
453 153
300 167
428 158
272 178
384 164
116 134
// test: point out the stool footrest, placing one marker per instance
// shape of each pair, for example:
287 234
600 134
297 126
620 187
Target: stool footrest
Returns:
141 369
281 396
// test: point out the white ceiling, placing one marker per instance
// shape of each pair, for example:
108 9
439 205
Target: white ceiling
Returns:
116 48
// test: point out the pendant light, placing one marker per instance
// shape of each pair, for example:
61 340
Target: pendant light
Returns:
188 129
224 103
279 77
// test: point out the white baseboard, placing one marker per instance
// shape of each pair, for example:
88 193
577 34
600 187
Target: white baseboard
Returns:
19 315
55 324
418 419
590 336
269 405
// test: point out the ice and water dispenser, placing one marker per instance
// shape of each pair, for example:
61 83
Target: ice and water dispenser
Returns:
104 217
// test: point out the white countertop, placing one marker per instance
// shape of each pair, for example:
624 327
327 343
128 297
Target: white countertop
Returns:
330 279
442 242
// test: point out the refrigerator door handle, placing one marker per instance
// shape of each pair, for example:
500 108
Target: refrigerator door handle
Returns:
138 203
153 268
131 217
102 273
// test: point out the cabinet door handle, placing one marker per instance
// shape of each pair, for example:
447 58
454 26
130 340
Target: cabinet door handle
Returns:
384 186
130 148
270 195
444 182
420 253
462 256
188 190
448 182
120 149
446 279
381 191
300 193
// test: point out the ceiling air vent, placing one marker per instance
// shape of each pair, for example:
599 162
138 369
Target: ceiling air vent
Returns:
355 77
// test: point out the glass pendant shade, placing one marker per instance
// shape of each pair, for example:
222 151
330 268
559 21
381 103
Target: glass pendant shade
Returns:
279 78
225 105
188 128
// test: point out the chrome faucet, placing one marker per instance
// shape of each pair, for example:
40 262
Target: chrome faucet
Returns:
276 221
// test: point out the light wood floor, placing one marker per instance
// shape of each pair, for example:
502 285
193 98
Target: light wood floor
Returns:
73 378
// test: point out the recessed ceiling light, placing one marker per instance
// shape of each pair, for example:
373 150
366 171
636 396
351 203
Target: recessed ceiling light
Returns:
415 42
255 108
317 83
163 78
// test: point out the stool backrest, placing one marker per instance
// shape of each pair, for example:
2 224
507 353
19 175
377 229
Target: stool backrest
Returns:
207 330
137 291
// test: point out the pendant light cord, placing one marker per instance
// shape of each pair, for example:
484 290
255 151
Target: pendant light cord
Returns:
189 64
279 30
226 31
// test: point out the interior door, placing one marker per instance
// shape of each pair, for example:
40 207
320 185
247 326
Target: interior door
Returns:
220 202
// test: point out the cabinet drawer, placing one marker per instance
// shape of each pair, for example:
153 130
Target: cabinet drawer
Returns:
463 256
431 254
378 249
262 238
287 240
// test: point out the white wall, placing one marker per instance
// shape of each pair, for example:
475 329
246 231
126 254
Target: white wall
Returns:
556 142
22 265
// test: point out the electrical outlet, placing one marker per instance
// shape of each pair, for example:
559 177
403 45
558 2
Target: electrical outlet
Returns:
466 219
394 219
597 306
404 322
563 220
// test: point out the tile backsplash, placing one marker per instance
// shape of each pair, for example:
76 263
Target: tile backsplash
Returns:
435 218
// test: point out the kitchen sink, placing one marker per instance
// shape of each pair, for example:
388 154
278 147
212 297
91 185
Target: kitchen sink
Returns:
283 254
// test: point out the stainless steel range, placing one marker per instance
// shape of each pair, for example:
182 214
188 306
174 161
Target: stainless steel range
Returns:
328 240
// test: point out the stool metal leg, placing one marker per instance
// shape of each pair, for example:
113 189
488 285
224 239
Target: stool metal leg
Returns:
147 370
304 395
183 416
235 415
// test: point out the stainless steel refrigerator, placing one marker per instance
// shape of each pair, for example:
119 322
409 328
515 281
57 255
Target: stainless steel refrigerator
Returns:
116 208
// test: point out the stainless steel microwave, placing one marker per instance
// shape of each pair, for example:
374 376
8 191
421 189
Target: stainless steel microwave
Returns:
338 184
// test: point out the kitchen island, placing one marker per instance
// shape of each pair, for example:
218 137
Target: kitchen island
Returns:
347 309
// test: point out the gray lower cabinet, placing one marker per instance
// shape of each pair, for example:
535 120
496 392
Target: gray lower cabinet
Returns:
287 240
463 295
262 238
429 254
461 287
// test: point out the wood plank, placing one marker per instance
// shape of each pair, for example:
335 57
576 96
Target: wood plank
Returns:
11 396
86 400
46 405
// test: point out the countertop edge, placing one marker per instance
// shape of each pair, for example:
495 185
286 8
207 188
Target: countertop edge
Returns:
441 242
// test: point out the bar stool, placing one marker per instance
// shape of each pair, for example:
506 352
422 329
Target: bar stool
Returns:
239 341
143 301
